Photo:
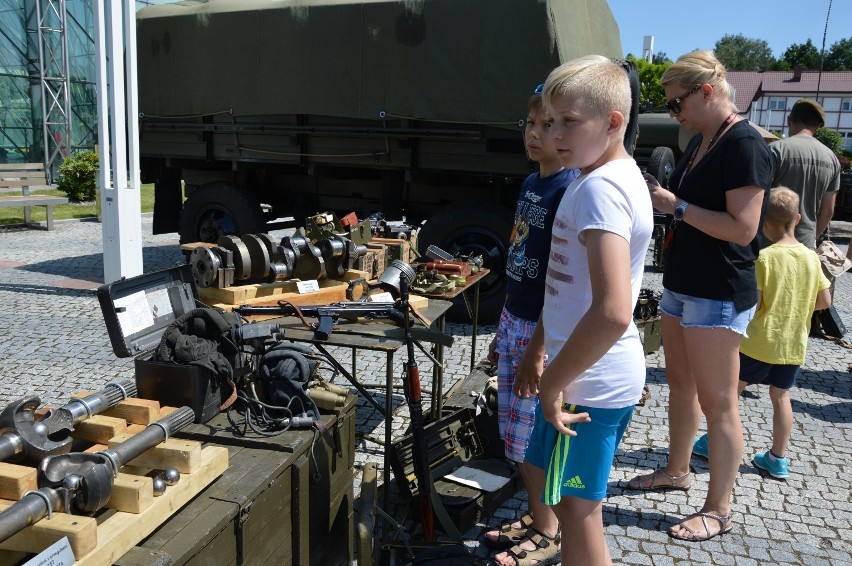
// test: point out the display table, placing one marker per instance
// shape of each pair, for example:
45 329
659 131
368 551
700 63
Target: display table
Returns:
472 283
279 502
380 337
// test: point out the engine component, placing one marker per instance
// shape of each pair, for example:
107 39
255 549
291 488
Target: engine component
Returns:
23 438
212 267
242 257
310 263
82 482
258 255
340 255
390 279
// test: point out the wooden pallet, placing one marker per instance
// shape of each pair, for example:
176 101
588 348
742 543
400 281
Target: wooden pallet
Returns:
132 512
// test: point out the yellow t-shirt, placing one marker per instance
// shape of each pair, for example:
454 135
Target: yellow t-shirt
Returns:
789 276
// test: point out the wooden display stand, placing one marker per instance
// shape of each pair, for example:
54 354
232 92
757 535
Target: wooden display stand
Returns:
331 291
132 511
262 294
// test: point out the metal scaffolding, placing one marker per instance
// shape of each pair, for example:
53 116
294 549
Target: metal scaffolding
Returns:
48 101
54 81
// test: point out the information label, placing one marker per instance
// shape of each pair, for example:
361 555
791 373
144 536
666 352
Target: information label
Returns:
134 313
57 554
381 297
311 286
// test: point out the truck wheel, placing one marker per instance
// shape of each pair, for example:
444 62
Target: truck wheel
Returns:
220 209
477 228
661 164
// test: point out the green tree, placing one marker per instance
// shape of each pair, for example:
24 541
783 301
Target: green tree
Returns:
804 54
651 94
839 56
740 53
830 138
661 57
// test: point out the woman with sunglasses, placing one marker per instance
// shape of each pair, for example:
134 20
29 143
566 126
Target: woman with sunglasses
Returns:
717 194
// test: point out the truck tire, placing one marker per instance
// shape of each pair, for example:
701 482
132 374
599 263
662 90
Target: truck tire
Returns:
661 164
220 209
478 228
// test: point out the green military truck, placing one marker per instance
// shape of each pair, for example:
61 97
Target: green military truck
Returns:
258 110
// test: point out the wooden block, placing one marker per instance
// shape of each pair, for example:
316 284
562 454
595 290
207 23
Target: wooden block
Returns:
166 411
96 448
122 531
99 429
418 302
135 428
131 493
82 533
192 245
173 453
135 410
16 480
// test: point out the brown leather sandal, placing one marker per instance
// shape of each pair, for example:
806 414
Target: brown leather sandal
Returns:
507 535
545 553
660 481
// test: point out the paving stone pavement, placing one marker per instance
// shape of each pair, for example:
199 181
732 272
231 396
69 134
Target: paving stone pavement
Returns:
55 344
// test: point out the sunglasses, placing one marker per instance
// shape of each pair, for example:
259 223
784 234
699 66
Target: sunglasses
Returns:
539 89
674 104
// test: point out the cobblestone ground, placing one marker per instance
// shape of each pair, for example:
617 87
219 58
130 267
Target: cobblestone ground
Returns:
55 344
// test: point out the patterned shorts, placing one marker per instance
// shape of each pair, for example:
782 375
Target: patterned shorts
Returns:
516 415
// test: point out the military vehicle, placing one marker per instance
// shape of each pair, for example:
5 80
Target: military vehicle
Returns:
258 110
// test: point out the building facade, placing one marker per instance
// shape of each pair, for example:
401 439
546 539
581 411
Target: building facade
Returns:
767 97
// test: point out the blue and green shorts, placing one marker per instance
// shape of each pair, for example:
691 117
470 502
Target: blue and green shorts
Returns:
577 466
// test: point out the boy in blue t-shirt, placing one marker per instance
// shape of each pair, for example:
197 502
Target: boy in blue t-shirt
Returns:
526 267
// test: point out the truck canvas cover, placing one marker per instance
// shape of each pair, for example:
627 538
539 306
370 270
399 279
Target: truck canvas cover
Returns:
466 61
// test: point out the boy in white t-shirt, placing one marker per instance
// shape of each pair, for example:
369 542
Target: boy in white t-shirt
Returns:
596 367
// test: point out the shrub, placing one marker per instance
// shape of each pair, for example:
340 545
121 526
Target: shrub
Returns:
830 138
78 176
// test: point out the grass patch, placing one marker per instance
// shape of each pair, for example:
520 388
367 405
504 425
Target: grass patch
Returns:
15 215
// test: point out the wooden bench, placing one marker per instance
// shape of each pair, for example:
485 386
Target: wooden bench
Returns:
27 177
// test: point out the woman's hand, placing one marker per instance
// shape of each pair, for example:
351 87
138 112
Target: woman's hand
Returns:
663 200
493 356
554 413
528 373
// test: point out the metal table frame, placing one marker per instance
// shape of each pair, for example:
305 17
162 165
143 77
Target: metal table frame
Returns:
435 311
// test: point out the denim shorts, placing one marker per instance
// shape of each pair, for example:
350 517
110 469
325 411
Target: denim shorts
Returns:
695 312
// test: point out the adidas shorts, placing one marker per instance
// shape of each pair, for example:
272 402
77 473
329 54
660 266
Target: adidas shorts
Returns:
578 466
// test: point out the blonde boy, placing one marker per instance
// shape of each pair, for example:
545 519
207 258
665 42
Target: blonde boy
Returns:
790 285
596 364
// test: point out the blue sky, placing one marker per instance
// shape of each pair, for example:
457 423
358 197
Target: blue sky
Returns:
681 26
